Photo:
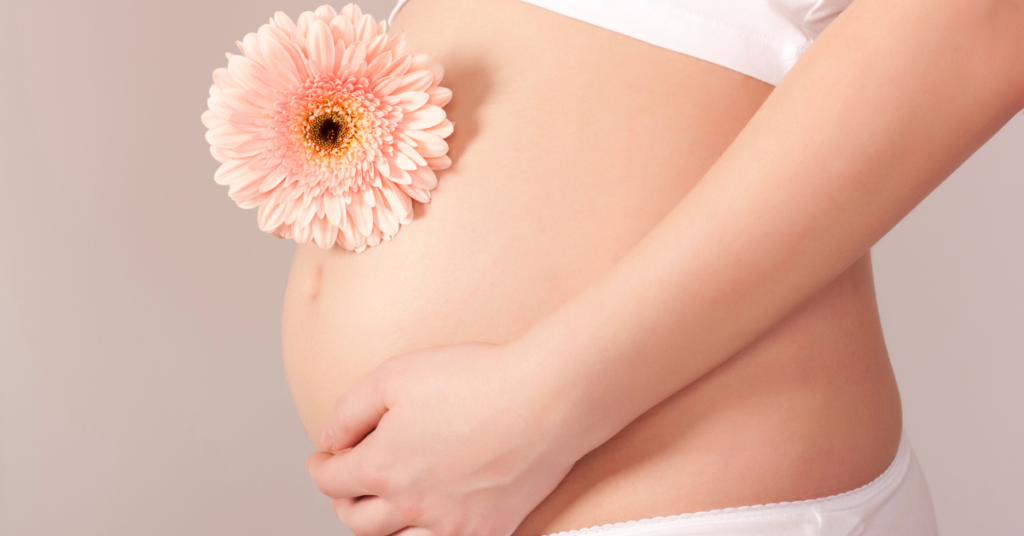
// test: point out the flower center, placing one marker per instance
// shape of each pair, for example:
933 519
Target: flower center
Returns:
328 131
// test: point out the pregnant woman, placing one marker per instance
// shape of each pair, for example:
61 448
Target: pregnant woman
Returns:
643 289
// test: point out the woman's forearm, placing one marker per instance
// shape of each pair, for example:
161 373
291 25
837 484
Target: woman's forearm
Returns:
884 106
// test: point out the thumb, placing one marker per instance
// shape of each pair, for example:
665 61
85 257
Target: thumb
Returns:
356 414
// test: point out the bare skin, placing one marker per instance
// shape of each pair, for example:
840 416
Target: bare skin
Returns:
532 213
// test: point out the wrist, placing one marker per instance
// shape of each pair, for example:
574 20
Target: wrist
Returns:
563 391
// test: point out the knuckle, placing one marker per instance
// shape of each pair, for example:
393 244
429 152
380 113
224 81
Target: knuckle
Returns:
377 480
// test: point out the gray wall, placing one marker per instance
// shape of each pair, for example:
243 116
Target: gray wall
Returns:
141 390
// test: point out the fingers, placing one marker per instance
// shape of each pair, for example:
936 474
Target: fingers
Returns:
368 516
336 475
356 414
413 531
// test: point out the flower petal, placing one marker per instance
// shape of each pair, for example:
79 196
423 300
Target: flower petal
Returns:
423 118
419 194
231 171
411 153
439 96
270 216
362 215
376 47
325 13
283 21
366 29
341 29
244 71
398 67
333 206
438 163
324 234
320 47
415 81
412 100
427 144
424 178
227 137
354 54
279 62
274 179
442 129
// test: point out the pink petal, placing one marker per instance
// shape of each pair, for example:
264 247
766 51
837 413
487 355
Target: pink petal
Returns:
400 160
324 234
367 195
252 147
400 176
378 64
341 29
231 171
320 47
439 96
227 137
352 11
398 201
283 21
424 178
415 81
366 29
421 62
333 208
250 46
442 129
398 68
362 215
427 144
326 13
411 153
273 180
222 77
423 118
383 167
279 62
247 119
384 86
387 220
306 18
412 100
245 71
303 233
212 120
376 47
270 216
399 46
354 54
419 194
439 163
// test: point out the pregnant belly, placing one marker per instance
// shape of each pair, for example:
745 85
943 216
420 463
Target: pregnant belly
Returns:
571 142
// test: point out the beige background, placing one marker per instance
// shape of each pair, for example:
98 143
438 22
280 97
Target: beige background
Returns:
141 390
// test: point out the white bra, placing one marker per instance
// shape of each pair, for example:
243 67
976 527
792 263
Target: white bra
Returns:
760 38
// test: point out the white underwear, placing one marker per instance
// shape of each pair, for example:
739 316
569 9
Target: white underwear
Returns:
897 503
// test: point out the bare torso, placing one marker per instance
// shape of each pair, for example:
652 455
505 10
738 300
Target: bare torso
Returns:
570 143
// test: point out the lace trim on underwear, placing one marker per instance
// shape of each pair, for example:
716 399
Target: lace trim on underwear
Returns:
901 452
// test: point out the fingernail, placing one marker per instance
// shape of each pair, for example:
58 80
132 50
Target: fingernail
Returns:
327 439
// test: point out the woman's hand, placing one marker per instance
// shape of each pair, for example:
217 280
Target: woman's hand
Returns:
449 441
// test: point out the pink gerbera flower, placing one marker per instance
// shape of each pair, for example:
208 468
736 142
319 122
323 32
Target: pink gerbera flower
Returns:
329 126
